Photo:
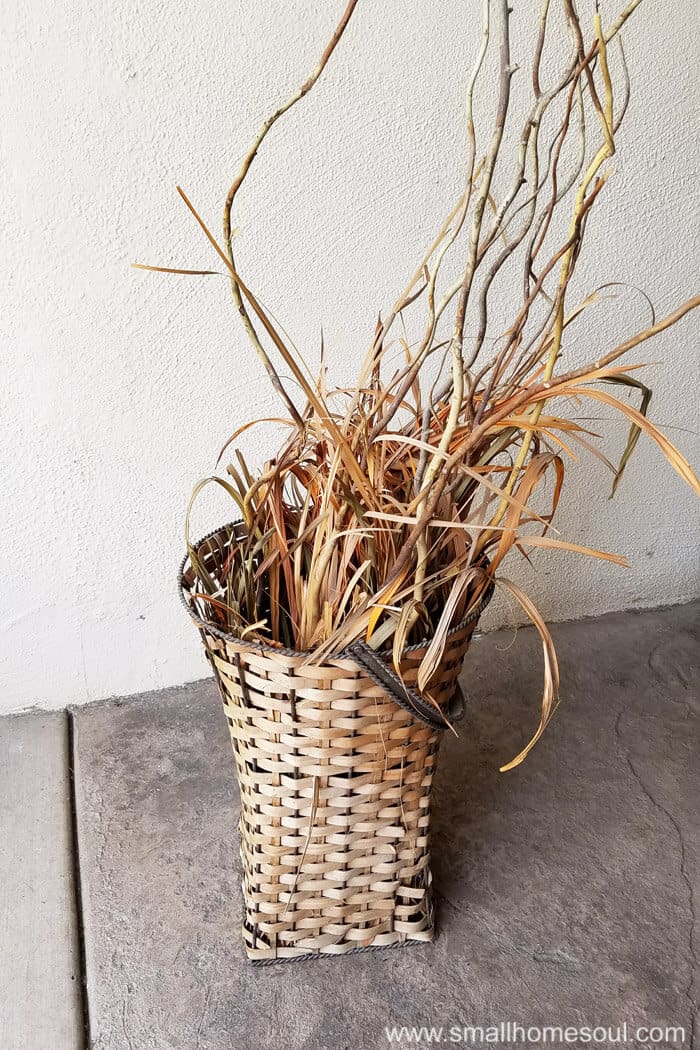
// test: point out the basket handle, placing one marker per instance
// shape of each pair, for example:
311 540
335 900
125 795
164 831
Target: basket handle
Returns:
380 672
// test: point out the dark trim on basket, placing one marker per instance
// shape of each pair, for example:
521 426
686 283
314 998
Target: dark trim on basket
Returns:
372 663
382 674
317 956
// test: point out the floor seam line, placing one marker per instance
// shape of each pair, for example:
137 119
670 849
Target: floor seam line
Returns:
77 879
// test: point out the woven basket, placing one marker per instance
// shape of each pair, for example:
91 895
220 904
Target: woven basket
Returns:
335 772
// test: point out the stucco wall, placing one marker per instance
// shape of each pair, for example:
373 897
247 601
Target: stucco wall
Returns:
119 387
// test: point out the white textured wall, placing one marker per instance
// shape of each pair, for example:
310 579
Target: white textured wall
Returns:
118 387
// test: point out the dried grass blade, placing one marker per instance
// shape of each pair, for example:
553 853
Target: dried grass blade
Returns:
635 430
431 661
575 548
173 269
679 463
550 692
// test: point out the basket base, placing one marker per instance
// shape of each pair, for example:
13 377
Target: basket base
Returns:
418 926
268 957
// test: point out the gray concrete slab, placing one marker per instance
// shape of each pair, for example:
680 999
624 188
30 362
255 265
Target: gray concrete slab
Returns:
567 889
40 980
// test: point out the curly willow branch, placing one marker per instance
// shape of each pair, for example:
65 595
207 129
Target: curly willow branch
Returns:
238 182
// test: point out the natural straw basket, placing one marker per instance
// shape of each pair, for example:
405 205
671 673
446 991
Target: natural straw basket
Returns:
335 768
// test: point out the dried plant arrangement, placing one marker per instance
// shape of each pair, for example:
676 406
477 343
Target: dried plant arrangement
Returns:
391 506
384 518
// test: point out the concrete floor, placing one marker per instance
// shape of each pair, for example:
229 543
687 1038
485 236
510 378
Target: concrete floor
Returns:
567 889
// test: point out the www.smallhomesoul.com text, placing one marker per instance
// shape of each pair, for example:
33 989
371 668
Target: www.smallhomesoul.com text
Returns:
511 1032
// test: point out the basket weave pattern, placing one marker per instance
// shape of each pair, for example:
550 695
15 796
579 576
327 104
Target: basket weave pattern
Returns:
335 780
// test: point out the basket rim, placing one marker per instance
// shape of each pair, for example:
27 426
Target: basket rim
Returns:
263 647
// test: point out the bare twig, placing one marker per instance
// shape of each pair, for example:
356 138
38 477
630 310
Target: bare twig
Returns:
238 182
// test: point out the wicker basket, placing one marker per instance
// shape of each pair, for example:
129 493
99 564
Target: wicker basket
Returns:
335 772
